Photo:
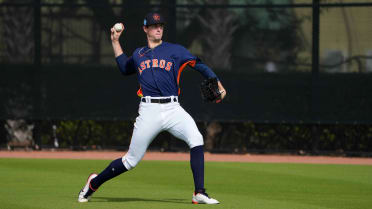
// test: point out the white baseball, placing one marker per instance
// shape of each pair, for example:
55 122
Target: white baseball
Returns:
118 27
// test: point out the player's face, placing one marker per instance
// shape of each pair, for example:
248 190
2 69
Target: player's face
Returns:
154 32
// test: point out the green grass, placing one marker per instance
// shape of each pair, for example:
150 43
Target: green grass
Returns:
53 184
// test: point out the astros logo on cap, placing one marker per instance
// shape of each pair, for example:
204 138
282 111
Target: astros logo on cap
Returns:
156 17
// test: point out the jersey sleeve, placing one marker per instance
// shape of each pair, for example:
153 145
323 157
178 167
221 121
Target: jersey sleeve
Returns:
186 57
204 69
125 64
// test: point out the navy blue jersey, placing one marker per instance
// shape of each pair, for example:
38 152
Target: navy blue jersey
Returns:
159 69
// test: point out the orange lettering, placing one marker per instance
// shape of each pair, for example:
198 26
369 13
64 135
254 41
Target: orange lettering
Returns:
155 63
162 64
139 70
143 66
148 63
169 65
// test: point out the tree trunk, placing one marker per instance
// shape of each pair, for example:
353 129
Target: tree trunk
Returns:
213 129
219 26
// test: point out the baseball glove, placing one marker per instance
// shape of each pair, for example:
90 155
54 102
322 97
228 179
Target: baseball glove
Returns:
210 91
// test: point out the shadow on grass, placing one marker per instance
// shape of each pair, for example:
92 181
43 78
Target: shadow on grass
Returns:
134 199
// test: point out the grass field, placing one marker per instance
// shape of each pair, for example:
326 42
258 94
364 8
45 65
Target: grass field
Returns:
53 184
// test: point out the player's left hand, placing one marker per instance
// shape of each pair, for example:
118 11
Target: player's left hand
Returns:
212 90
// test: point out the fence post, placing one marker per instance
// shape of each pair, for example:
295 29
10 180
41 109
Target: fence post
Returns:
315 71
37 65
37 33
315 50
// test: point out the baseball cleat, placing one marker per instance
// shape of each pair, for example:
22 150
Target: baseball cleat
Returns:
203 198
84 195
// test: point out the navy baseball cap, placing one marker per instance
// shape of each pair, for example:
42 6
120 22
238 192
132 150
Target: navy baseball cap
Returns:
153 18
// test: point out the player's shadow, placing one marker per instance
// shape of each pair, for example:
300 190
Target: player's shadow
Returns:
135 199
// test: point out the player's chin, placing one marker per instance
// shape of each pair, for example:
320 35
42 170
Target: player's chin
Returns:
157 39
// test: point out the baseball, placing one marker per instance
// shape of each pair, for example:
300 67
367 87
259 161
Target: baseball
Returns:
118 27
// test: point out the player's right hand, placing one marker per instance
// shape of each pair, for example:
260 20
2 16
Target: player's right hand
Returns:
114 34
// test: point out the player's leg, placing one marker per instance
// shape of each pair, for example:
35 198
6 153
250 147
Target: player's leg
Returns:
182 125
143 134
146 127
114 169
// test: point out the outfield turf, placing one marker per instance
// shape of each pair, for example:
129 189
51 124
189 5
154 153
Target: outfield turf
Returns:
54 184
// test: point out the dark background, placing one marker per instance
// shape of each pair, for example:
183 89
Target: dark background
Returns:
57 68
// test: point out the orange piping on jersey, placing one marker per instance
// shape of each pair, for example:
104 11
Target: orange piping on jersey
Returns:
139 92
192 64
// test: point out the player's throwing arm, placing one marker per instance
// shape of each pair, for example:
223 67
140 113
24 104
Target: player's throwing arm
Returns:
116 31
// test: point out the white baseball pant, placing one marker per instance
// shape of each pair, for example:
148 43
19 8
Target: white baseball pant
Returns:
154 118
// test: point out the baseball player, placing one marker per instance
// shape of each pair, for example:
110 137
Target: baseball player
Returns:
158 67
